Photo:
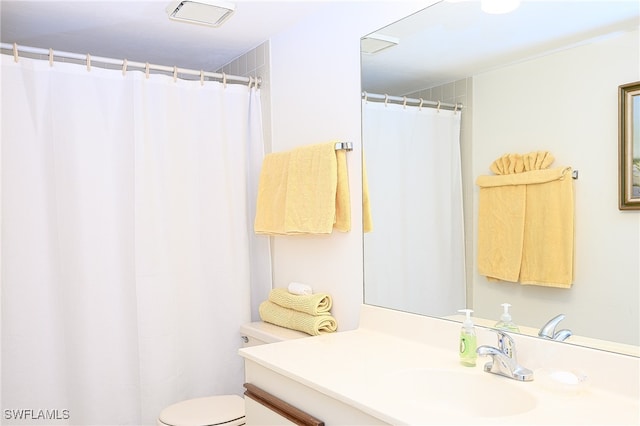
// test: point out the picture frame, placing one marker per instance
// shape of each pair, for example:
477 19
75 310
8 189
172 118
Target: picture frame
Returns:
629 146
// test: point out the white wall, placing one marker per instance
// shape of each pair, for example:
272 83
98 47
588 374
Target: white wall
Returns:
315 97
566 103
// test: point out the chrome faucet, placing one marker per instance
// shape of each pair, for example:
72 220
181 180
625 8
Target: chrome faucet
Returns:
548 331
503 359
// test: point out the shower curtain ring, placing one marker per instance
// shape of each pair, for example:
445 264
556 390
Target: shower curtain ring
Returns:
404 103
124 67
438 107
201 77
386 99
366 96
175 73
146 70
88 62
50 57
15 52
421 102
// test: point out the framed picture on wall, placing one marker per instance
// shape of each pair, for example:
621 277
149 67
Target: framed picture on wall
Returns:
629 146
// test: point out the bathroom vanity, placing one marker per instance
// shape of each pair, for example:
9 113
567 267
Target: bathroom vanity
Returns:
400 368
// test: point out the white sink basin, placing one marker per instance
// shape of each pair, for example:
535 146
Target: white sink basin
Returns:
472 394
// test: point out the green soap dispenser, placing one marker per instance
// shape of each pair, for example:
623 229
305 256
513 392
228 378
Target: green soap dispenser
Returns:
468 342
506 323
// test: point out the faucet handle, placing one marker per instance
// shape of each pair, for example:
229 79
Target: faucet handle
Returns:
548 330
506 344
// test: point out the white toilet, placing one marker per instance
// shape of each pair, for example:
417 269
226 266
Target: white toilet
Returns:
227 410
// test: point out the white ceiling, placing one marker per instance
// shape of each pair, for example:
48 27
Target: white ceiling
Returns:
455 39
450 40
141 30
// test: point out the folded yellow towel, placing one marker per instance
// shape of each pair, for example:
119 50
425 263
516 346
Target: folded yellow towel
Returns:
537 160
288 318
312 304
516 163
525 227
525 178
303 191
507 164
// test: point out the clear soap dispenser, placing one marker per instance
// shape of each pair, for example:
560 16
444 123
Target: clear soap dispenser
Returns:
468 342
506 323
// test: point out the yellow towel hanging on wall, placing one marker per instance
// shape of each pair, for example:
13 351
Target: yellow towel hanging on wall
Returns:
304 191
526 223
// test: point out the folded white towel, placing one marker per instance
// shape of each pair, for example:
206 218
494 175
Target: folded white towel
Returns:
299 288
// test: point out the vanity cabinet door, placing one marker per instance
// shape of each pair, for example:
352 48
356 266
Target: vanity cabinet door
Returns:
257 414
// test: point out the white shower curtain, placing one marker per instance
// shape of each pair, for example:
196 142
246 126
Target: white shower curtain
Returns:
414 258
126 247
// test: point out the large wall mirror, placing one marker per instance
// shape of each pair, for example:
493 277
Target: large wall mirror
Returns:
543 77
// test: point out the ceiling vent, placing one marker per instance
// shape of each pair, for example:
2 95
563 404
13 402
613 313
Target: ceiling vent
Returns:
374 43
204 12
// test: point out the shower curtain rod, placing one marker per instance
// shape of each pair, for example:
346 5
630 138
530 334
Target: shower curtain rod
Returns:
406 101
53 55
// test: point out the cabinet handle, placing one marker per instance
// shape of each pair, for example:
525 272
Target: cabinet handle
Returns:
281 407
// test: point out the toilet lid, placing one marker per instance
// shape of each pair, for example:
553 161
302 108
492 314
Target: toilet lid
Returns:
212 410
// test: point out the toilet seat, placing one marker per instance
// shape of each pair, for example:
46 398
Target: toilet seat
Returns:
227 410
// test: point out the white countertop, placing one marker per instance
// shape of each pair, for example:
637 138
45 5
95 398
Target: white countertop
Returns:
355 367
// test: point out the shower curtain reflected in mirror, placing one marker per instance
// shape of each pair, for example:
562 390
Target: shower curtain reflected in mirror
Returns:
414 257
126 243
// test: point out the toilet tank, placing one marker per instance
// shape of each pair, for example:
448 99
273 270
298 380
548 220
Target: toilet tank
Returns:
260 333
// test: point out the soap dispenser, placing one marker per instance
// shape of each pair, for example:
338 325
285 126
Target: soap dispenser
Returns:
506 323
468 342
